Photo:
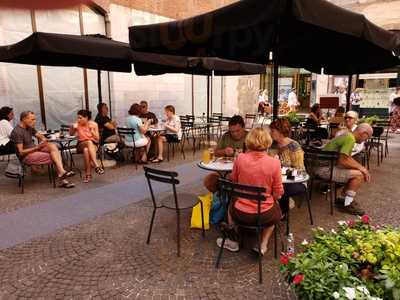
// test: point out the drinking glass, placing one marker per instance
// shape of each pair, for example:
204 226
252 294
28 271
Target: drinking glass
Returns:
206 156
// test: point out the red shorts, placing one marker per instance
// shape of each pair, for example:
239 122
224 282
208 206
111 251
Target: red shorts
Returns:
38 158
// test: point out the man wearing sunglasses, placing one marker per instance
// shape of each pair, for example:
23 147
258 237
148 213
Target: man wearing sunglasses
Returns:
347 169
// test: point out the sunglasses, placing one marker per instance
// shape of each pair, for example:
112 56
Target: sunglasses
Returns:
346 118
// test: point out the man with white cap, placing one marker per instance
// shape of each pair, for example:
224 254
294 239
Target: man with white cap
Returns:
350 121
347 169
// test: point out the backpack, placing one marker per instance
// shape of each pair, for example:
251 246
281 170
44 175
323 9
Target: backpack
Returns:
113 151
14 169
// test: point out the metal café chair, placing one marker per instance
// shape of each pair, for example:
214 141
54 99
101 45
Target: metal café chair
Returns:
375 143
313 159
249 120
122 133
172 202
385 136
251 193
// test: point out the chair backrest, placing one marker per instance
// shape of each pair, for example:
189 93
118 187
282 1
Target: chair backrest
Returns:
247 192
385 124
214 120
65 127
249 120
315 158
167 177
377 131
124 131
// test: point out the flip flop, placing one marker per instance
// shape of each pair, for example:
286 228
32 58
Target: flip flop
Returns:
67 174
157 160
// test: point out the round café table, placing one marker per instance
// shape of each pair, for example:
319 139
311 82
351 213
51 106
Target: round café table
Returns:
221 166
224 167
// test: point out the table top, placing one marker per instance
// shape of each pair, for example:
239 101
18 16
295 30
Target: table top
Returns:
226 166
66 138
156 129
219 165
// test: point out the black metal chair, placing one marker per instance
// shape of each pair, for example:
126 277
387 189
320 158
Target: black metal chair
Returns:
249 120
72 146
173 202
315 158
251 193
306 195
385 136
24 166
124 132
375 143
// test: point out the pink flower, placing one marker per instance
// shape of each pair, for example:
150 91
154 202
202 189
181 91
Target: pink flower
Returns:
365 219
298 279
351 223
284 259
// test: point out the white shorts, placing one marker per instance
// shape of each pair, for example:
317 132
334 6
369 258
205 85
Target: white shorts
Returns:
139 143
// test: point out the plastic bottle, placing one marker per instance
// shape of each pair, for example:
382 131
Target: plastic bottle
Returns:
290 244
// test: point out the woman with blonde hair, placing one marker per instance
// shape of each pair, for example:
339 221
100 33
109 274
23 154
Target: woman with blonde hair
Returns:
255 167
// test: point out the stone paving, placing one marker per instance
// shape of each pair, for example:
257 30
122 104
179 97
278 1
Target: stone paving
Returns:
107 257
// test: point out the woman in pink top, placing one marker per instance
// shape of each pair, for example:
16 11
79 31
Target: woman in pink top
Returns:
88 141
257 168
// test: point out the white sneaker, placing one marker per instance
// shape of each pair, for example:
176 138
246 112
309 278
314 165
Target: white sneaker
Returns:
229 244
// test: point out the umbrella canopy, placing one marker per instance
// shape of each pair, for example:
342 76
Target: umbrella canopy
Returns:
156 64
51 49
312 34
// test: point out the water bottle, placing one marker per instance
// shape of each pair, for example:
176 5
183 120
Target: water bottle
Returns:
290 244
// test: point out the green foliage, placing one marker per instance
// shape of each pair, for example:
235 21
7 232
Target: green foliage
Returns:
292 117
358 260
370 120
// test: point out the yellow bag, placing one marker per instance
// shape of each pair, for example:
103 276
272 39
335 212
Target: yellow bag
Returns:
196 212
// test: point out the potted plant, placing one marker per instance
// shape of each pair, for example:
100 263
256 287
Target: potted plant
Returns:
355 261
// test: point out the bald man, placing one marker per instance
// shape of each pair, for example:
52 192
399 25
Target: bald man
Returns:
347 169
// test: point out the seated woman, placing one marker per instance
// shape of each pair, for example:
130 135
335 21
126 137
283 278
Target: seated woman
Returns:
257 168
139 140
88 142
6 145
173 132
291 155
314 121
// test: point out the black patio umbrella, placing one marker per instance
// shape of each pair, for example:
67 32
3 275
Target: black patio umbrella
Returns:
312 34
66 50
156 64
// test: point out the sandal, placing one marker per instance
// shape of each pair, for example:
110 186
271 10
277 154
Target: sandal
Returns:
157 160
67 174
66 184
87 178
99 170
255 250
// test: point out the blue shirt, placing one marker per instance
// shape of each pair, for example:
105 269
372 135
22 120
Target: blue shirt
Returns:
134 122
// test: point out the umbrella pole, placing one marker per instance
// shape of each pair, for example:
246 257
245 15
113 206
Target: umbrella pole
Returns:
211 92
349 88
275 104
208 98
99 86
192 95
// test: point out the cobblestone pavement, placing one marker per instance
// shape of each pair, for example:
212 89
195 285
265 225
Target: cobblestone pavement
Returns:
107 258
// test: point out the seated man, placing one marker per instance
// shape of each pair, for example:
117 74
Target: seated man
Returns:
232 140
107 127
347 169
42 154
146 114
